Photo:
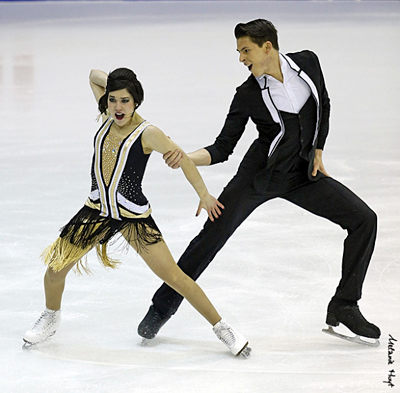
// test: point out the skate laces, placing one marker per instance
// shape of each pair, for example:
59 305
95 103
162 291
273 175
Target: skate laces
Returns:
157 317
45 321
226 334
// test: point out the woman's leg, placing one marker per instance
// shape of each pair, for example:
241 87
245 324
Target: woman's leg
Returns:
158 257
54 284
50 319
63 256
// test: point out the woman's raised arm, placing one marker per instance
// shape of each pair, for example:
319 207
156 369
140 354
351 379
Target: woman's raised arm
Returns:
98 83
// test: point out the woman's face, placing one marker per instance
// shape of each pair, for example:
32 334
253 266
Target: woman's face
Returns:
121 106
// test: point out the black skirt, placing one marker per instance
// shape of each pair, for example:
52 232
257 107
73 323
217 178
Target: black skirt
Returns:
88 229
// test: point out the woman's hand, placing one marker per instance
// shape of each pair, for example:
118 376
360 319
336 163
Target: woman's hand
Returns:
212 205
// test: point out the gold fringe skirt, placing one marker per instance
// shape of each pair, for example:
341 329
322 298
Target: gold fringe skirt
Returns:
87 230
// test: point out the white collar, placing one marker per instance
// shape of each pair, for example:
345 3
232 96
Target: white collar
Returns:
288 67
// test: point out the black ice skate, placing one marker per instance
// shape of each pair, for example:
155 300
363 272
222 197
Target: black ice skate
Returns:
152 323
351 317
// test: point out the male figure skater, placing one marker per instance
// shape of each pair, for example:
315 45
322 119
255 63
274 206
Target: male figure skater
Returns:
286 98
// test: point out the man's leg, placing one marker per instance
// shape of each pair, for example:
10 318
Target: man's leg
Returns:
332 200
240 199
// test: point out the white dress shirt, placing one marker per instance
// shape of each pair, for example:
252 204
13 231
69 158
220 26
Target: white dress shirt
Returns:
291 95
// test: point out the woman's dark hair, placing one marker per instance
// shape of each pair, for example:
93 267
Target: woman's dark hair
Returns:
122 78
259 31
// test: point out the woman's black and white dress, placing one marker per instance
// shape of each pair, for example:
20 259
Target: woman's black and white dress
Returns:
116 203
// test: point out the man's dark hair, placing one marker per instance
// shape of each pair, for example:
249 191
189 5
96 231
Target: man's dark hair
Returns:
122 78
259 31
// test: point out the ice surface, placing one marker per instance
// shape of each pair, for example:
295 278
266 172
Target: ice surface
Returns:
274 278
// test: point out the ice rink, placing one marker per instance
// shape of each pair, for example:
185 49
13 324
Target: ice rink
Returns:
275 276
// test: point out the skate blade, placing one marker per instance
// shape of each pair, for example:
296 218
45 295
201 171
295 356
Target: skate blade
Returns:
356 339
28 346
245 352
145 342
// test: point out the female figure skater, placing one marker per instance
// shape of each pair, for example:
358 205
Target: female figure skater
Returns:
117 206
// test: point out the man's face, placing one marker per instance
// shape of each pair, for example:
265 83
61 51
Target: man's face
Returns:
255 58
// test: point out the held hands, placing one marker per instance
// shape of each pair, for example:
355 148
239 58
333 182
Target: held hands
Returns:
318 164
212 205
173 158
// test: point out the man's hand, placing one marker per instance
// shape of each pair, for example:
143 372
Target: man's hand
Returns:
173 158
318 164
212 205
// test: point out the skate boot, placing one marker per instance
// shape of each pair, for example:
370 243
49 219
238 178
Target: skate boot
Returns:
236 343
350 316
152 323
44 327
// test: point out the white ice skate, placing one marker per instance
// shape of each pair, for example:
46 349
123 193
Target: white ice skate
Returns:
44 327
236 342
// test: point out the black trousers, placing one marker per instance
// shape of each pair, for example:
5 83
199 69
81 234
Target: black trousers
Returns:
325 197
